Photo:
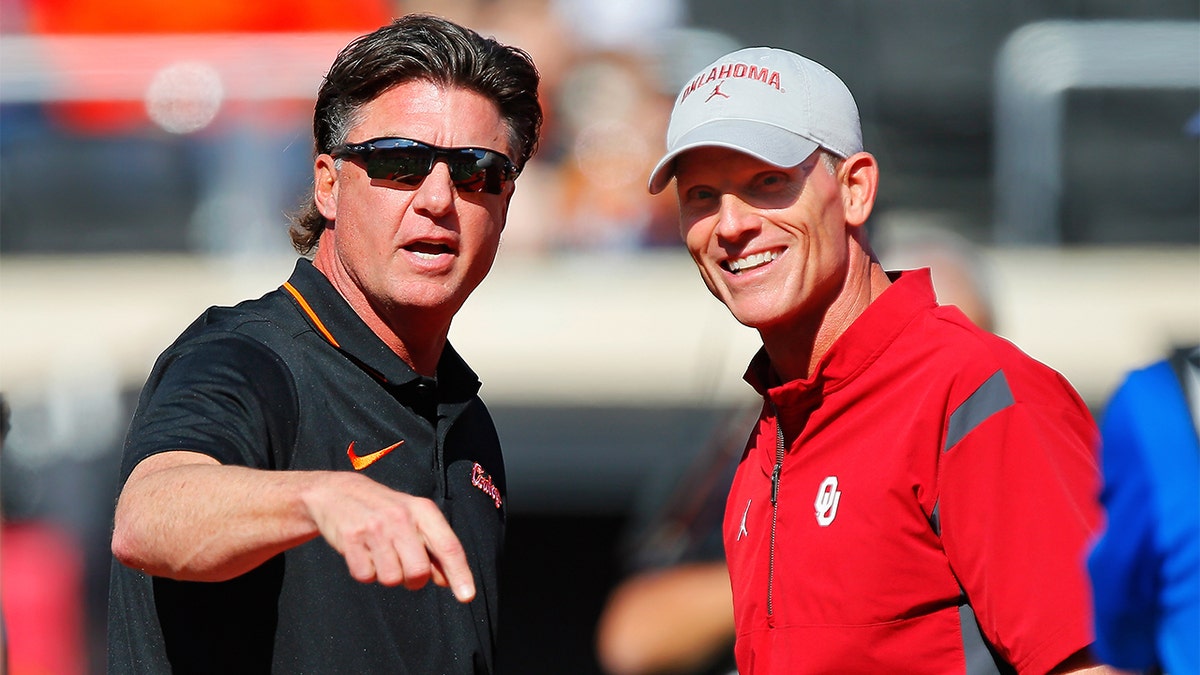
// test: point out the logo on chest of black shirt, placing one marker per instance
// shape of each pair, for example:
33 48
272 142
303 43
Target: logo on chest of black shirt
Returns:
482 480
361 462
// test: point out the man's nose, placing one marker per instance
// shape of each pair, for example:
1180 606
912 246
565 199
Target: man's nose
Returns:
735 217
435 194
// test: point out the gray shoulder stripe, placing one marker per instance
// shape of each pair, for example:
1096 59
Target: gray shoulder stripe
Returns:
990 398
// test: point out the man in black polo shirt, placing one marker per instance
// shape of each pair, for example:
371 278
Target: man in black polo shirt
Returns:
301 466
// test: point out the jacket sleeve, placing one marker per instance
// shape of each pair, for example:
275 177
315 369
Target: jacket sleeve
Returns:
1019 481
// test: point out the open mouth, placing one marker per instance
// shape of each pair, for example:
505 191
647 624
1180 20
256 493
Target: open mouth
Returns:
428 250
750 262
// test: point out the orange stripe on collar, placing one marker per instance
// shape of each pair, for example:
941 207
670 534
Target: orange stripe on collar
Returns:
287 286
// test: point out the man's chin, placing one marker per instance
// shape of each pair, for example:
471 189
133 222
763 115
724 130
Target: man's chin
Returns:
758 319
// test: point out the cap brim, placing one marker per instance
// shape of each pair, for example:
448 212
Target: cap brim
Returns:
765 142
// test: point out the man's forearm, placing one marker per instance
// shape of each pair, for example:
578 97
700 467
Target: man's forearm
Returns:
184 516
667 620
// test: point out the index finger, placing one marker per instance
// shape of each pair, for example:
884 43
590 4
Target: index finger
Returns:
448 556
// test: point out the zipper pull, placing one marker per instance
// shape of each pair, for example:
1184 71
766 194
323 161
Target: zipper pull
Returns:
780 451
775 482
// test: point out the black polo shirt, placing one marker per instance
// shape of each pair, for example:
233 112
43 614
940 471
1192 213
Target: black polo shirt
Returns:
288 382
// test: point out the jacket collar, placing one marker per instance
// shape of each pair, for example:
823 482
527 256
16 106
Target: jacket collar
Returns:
867 337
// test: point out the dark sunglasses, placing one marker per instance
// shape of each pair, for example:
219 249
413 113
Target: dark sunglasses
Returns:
408 162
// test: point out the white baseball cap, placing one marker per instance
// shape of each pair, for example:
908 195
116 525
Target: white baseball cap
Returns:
768 103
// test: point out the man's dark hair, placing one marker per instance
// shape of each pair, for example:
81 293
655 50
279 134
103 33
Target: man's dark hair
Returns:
413 48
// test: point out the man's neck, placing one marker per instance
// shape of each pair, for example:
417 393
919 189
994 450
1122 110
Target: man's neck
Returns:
417 339
797 349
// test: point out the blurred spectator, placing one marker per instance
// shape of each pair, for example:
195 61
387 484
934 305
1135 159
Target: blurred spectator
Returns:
612 117
614 114
1145 567
41 591
961 274
674 611
613 106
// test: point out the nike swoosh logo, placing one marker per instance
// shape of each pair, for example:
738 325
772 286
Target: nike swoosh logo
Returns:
360 463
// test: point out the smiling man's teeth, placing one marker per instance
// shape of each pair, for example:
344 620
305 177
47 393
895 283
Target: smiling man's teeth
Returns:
750 262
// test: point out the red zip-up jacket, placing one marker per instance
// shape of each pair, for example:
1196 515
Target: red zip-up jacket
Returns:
925 458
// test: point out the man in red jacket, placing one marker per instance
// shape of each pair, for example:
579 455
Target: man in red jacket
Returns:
917 494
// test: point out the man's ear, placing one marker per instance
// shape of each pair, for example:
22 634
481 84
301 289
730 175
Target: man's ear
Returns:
325 186
511 190
859 176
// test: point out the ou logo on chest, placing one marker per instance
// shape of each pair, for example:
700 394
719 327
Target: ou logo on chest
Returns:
826 504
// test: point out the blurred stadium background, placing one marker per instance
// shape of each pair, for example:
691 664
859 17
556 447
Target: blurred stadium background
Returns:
149 151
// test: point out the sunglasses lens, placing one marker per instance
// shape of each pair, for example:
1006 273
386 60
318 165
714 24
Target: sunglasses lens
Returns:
403 165
474 170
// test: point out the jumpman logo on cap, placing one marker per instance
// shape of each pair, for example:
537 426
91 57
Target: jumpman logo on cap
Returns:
716 92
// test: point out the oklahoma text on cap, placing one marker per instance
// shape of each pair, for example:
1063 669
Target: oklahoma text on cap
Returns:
769 103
